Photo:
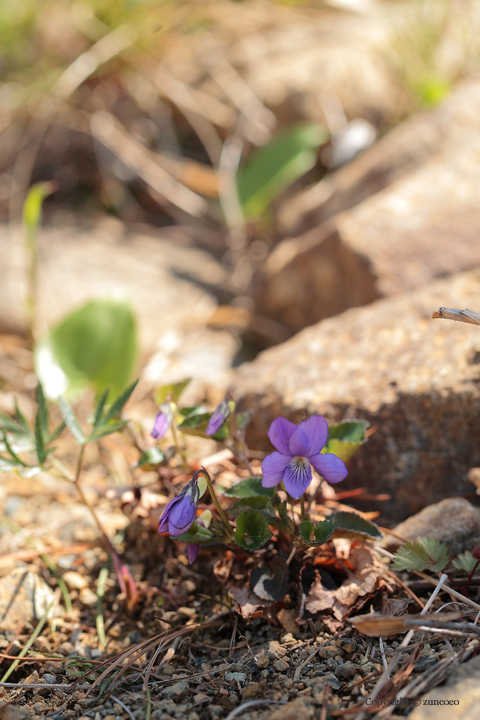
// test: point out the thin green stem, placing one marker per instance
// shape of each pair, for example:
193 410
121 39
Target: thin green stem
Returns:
303 514
181 449
223 517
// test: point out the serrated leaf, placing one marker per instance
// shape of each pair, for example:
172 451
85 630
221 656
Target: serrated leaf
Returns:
465 561
252 530
70 420
273 167
196 535
8 424
171 391
269 581
260 502
317 534
425 553
351 525
284 516
250 487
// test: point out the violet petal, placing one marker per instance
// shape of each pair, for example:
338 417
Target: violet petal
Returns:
162 421
273 469
280 432
163 523
298 477
330 467
182 515
309 437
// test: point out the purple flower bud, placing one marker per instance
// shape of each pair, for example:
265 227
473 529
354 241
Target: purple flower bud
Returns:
219 416
162 421
179 514
192 552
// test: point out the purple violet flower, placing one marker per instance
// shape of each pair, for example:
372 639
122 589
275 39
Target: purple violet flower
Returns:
299 446
219 416
163 421
179 514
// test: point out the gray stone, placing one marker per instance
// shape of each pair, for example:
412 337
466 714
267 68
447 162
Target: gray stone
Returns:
421 227
453 521
415 379
175 690
24 596
12 712
458 699
346 671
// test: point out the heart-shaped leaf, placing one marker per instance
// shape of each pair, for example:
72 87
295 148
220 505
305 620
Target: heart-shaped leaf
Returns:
252 530
351 525
250 487
317 534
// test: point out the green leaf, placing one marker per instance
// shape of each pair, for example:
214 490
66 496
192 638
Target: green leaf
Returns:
71 421
348 431
39 441
260 502
321 532
243 418
425 553
284 516
105 430
196 535
252 530
276 165
250 487
172 391
351 525
22 422
42 411
32 209
270 581
115 409
11 452
345 438
196 423
465 561
151 458
100 407
96 345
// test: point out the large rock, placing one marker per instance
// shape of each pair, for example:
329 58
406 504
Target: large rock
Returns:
421 226
458 699
415 379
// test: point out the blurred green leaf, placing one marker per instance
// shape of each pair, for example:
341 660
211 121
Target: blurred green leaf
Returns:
115 409
100 407
252 530
71 421
321 532
196 535
465 561
345 438
172 392
250 487
276 165
425 553
351 525
32 209
348 430
151 458
96 345
195 423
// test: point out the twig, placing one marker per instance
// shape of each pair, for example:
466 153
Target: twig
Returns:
466 316
123 706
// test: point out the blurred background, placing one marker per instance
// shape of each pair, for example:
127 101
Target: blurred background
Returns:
230 171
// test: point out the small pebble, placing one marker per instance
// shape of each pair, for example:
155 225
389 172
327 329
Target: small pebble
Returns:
281 665
49 678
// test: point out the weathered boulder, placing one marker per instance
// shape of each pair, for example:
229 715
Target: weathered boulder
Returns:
415 379
457 699
453 521
421 226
